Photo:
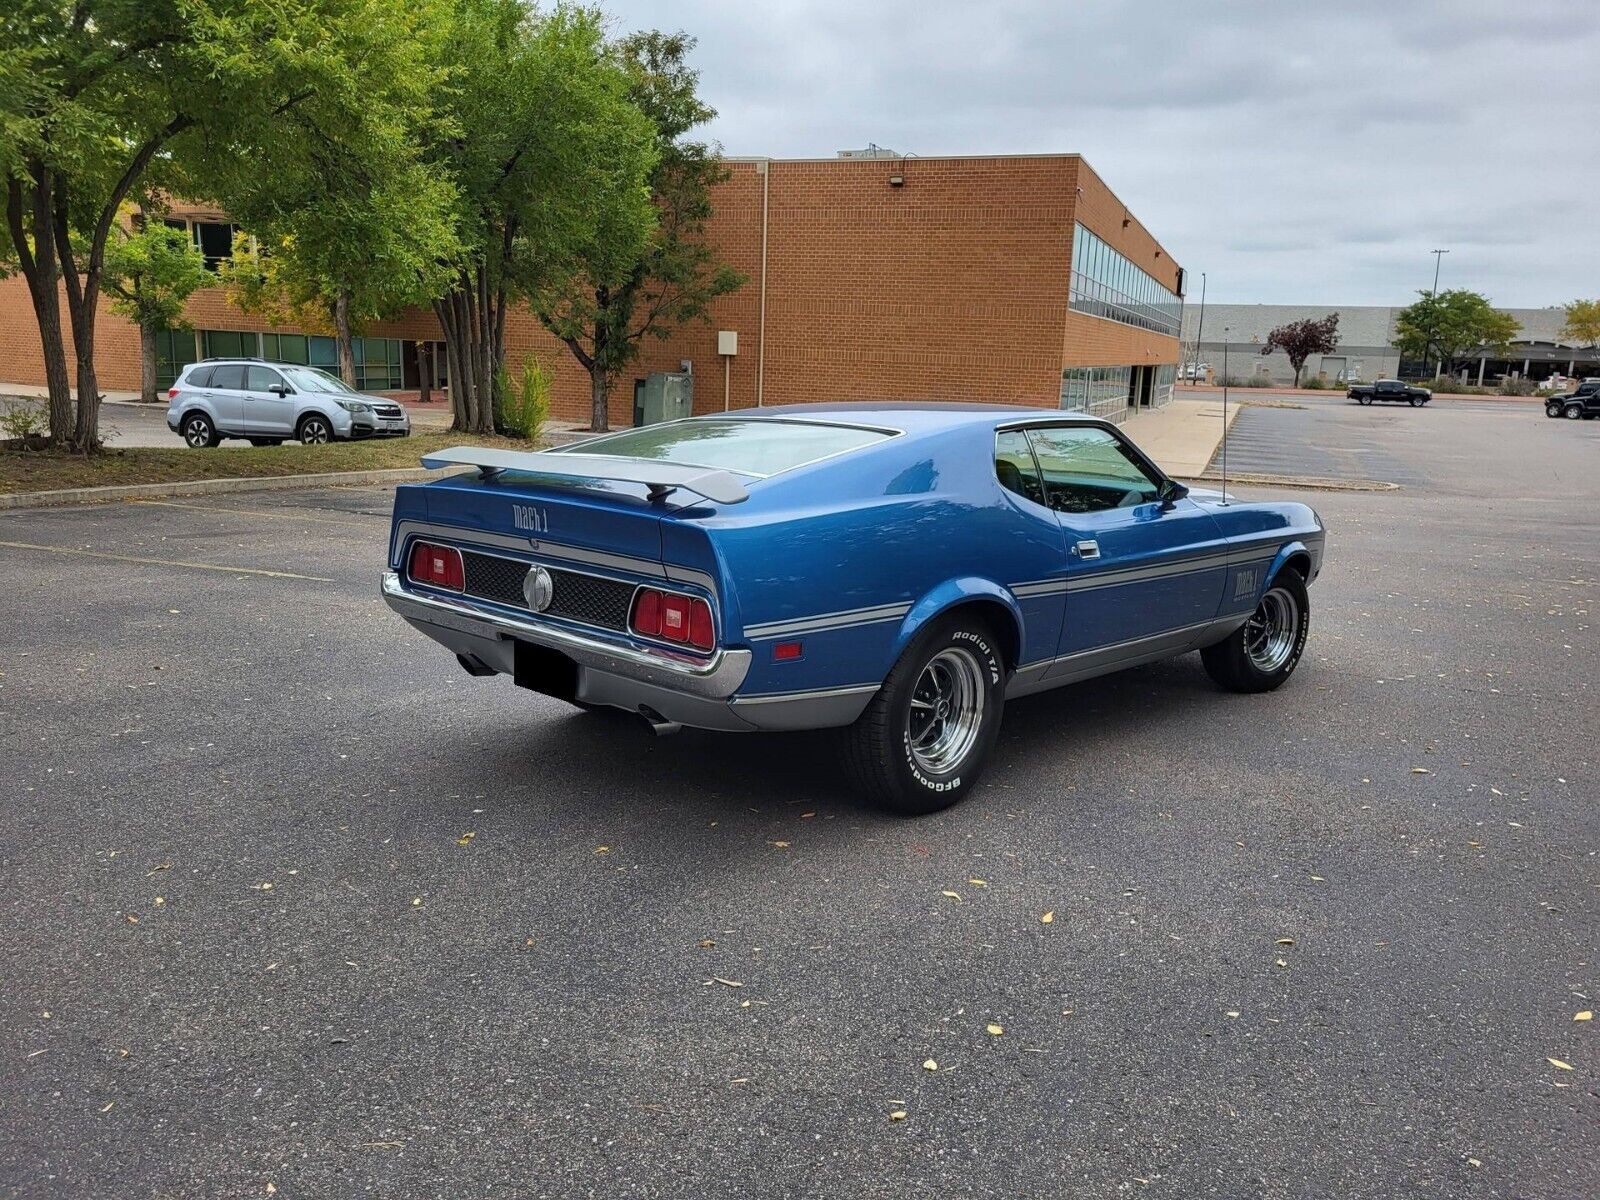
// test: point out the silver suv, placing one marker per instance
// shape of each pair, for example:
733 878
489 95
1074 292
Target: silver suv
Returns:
269 402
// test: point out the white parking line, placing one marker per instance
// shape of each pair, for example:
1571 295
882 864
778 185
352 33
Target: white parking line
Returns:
165 562
280 515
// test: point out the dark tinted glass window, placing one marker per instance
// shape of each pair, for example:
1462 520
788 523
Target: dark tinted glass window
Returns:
1014 465
228 377
200 377
259 379
215 241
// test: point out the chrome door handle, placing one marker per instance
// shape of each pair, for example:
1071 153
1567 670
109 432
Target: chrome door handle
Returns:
1088 548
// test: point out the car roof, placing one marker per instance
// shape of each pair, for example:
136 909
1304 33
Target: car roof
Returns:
908 416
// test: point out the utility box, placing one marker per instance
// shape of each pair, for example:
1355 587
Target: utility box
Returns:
663 396
728 341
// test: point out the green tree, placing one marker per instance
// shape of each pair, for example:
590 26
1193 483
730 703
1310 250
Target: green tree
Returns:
606 309
1449 325
214 99
1582 324
151 269
551 172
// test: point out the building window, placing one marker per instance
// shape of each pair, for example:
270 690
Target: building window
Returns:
378 366
1165 377
230 343
1098 391
174 351
215 240
1105 284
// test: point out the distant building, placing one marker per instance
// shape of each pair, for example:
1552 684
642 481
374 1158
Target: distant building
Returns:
1366 345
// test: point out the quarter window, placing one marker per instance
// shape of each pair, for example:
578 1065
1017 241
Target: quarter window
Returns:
1014 466
1089 470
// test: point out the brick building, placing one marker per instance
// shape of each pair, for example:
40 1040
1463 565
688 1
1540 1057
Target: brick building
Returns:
1015 279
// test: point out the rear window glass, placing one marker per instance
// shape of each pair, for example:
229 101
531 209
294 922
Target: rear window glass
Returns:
199 377
749 447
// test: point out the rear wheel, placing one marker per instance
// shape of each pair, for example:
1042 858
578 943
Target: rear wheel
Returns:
1263 652
314 430
923 740
199 432
1574 412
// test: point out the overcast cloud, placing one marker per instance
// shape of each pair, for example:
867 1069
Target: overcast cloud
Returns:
1293 152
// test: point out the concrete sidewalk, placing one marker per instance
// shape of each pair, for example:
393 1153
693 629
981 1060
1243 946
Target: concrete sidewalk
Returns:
1183 436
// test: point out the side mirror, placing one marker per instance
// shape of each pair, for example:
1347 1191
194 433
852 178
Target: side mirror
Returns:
1171 492
281 389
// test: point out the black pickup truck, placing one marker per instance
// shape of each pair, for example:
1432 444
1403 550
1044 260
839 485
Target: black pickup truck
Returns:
1389 389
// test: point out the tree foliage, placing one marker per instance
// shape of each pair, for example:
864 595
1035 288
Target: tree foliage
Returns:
1582 324
1448 325
106 101
606 308
551 168
150 270
1301 339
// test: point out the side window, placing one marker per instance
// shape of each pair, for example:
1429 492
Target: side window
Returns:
229 377
200 377
259 379
1014 465
1090 470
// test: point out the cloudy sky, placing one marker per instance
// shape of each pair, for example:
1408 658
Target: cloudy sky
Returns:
1294 152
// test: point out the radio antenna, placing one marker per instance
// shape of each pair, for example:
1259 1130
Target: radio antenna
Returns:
1225 329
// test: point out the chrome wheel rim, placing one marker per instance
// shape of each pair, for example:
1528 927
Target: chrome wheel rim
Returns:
946 711
197 433
1574 413
1269 634
313 433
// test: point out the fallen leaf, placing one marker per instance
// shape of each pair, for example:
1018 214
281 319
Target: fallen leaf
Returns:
807 816
1556 1062
1049 918
1472 1162
705 943
978 882
994 1029
778 845
1282 963
416 902
154 870
466 838
1233 1012
898 1114
1421 771
271 1189
929 1065
1285 941
1318 879
602 849
109 1107
132 920
159 901
1585 1015
726 982
956 896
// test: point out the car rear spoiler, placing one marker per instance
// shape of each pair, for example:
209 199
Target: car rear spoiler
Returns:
723 487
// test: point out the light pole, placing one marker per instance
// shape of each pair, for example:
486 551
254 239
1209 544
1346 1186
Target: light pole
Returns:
1438 257
1199 330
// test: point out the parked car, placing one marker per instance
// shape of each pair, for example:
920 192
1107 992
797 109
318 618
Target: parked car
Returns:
1389 389
1583 401
896 571
268 403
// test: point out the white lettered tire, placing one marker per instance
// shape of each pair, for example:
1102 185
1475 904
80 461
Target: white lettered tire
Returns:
922 742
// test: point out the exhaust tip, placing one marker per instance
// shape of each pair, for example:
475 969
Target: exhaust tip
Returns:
474 666
659 725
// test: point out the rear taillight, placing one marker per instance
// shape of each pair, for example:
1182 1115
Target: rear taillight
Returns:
172 392
437 566
673 618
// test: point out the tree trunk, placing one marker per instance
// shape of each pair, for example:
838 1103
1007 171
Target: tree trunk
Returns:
599 400
28 218
147 363
424 373
1297 371
474 343
341 328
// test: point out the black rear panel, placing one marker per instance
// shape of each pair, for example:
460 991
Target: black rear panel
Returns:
589 599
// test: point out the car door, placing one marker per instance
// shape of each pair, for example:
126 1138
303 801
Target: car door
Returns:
1144 574
226 393
268 403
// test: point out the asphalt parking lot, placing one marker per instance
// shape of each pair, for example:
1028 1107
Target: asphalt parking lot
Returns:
293 906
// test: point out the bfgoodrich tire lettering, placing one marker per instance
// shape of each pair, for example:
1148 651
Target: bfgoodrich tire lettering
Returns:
924 738
1263 652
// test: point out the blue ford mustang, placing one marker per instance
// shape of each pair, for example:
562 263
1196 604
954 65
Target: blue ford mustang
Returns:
897 571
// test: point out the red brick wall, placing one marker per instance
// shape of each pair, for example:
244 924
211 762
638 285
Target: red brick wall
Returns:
952 286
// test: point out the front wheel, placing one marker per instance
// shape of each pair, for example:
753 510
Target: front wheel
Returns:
1552 410
1263 652
923 740
1363 399
315 431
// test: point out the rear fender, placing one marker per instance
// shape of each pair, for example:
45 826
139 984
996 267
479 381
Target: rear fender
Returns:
953 593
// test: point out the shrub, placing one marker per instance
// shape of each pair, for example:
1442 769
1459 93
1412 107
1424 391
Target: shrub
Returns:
1259 381
522 406
1230 381
1514 387
22 420
1316 384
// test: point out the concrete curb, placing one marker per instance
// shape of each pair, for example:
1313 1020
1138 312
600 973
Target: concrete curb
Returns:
1307 482
209 487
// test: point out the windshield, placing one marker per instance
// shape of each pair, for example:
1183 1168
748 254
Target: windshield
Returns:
749 447
310 379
